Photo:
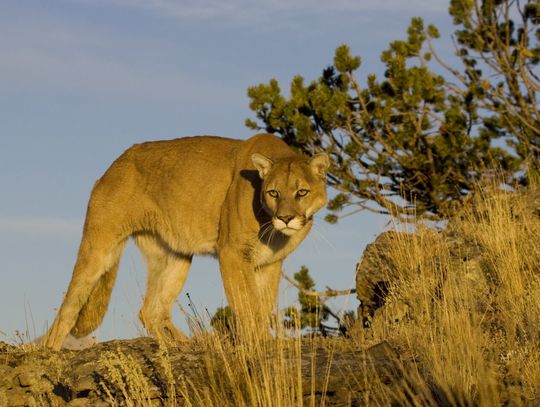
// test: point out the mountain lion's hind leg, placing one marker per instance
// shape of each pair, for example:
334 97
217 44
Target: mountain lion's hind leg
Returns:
167 273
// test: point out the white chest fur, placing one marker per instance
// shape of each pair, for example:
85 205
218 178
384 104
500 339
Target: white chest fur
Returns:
277 248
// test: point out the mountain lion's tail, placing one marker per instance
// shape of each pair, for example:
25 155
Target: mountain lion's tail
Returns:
93 312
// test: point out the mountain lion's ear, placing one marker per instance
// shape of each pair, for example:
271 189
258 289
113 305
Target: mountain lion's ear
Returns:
262 164
319 164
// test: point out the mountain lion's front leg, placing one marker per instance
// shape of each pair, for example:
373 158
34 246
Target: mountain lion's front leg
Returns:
267 279
243 294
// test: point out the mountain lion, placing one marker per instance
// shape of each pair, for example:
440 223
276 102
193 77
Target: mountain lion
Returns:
249 203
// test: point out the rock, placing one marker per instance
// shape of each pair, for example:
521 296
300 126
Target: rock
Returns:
377 271
77 378
28 379
154 392
5 348
74 343
78 402
373 274
391 313
17 397
84 384
6 376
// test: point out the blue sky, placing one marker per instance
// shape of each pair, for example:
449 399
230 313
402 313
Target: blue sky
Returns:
82 80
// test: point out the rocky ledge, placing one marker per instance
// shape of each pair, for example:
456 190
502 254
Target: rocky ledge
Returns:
84 377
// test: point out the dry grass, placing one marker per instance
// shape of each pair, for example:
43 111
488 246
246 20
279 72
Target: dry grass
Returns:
472 296
248 373
249 370
471 331
470 334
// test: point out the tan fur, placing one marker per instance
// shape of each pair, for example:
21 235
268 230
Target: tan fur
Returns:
250 203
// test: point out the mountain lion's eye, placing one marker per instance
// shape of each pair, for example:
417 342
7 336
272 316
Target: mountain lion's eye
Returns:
302 192
273 193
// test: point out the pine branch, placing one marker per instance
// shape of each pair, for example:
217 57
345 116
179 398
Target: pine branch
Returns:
321 294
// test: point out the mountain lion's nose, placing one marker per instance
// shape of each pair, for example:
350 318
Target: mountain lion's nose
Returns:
285 218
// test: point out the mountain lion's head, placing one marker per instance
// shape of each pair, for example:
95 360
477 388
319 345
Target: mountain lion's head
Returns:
292 190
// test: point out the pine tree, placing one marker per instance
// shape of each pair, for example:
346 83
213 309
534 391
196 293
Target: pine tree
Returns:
417 142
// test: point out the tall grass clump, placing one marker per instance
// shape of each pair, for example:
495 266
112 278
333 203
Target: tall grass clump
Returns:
472 298
244 366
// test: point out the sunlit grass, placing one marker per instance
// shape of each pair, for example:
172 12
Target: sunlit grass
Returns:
469 335
473 300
